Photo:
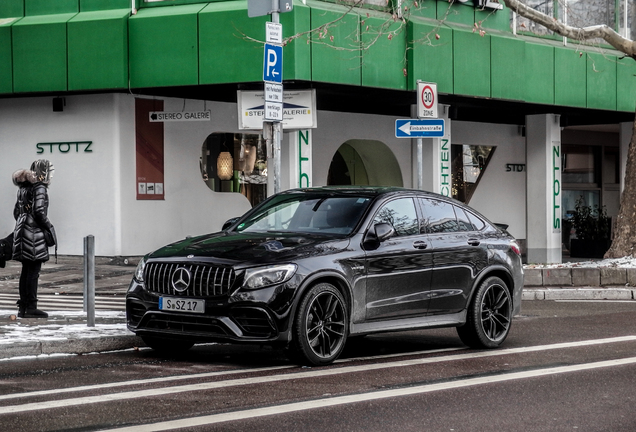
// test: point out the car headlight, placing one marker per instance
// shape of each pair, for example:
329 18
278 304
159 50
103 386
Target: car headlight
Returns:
139 271
261 277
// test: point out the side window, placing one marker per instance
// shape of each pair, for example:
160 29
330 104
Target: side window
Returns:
401 214
439 216
462 220
476 222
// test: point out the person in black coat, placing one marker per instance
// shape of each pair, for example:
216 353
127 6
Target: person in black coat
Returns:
33 231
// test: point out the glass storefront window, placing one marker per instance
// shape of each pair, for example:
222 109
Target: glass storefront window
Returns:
468 164
235 163
580 164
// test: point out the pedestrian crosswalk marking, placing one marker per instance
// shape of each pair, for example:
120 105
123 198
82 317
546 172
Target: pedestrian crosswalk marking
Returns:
66 302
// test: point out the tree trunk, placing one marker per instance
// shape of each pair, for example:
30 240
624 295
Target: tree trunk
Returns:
624 243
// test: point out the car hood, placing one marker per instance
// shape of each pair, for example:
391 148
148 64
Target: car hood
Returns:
231 247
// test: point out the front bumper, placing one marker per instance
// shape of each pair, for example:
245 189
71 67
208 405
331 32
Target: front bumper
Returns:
226 319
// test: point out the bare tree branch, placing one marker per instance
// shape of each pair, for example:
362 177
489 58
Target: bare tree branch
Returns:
626 46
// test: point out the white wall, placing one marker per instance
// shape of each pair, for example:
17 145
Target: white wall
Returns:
81 194
190 208
500 195
95 193
335 128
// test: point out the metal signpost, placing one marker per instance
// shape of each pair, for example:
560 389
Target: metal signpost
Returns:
272 75
431 127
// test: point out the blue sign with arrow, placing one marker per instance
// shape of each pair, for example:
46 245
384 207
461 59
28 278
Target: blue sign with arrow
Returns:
273 64
422 128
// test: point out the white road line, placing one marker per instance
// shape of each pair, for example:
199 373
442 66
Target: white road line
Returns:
365 397
275 378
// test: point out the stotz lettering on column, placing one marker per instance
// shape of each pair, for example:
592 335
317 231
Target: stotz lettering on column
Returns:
556 188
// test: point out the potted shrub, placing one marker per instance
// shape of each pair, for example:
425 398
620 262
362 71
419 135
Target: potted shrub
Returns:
592 230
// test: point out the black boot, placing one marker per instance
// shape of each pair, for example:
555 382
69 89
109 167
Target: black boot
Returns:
21 309
32 311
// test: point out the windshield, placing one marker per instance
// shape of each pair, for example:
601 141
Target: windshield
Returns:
307 214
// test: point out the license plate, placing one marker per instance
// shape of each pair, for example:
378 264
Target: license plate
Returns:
181 304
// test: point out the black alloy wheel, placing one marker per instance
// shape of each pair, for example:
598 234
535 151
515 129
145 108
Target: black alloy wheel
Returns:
489 315
321 326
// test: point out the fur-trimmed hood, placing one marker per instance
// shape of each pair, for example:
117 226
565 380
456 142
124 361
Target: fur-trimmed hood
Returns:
23 176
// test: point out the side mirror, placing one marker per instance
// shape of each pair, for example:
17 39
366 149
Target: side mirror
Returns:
228 223
383 231
379 233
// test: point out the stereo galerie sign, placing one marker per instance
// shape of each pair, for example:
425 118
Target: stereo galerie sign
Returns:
299 109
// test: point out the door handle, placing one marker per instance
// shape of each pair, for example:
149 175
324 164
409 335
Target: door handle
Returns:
420 245
473 242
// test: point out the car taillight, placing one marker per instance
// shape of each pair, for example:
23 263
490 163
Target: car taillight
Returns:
515 248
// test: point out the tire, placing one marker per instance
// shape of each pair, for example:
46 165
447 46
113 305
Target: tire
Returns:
321 326
489 315
167 346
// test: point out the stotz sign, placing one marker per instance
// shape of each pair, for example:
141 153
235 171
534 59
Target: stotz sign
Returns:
426 100
556 187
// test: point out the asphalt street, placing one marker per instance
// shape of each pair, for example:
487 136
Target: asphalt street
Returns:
565 366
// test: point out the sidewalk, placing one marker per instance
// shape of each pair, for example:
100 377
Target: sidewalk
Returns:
66 332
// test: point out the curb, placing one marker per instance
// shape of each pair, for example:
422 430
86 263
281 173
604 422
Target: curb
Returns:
582 293
70 346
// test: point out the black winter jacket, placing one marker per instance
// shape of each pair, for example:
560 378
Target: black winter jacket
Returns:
30 213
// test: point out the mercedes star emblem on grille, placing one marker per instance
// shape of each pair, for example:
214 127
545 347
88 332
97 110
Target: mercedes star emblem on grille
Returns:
181 279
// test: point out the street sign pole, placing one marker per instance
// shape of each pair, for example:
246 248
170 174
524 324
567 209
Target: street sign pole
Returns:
277 126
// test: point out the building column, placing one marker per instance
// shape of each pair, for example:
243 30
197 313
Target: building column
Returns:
543 187
624 138
436 159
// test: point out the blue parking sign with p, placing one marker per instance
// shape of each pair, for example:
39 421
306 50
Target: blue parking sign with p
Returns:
273 64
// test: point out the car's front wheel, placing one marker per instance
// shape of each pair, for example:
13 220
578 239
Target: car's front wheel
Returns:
321 326
489 315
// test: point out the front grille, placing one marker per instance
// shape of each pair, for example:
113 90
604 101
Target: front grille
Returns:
205 280
184 324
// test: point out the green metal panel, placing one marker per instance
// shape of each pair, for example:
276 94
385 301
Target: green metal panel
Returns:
384 61
430 58
493 19
6 65
425 9
163 46
297 53
11 8
456 13
539 77
570 77
50 7
626 84
163 3
39 53
335 53
601 81
103 5
507 57
471 60
226 53
98 50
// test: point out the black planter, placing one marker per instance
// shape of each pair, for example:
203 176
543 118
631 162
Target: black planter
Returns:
588 248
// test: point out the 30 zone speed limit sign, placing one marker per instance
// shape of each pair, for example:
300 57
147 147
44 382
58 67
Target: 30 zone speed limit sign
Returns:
426 100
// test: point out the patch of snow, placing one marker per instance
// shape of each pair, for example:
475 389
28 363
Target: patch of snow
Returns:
59 327
625 262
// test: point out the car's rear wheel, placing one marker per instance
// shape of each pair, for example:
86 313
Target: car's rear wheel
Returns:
489 315
321 326
167 346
